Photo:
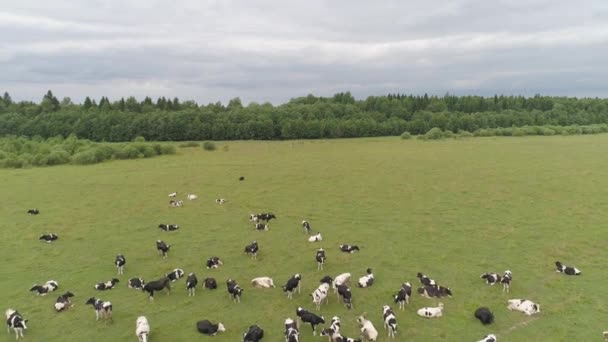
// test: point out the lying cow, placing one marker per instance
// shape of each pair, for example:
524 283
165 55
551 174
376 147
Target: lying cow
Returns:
431 312
262 282
208 328
526 306
50 237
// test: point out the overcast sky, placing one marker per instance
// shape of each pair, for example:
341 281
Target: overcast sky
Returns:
274 50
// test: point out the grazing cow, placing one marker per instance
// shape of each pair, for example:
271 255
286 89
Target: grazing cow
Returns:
491 278
366 280
220 200
266 217
142 329
390 321
191 197
335 324
426 281
315 238
320 294
488 338
214 262
103 309
433 291
208 328
241 178
162 248
173 194
63 301
569 270
50 237
254 334
306 227
136 283
168 227
15 321
210 283
349 248
368 331
294 283
430 312
157 285
310 318
262 282
175 274
234 290
340 280
507 278
320 257
526 306
327 280
191 283
48 287
120 263
252 249
177 203
33 211
346 294
261 226
108 285
484 315
292 334
403 296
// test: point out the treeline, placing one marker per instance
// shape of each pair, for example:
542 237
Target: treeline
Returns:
307 117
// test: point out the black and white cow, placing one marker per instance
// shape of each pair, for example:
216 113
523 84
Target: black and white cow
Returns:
266 217
261 226
431 312
335 336
157 285
175 274
433 291
335 324
15 321
103 309
484 315
294 283
320 294
390 321
162 248
327 280
108 285
168 227
252 249
310 318
63 302
48 287
488 338
214 262
220 200
292 334
346 294
524 305
120 263
136 283
208 328
173 194
210 283
320 257
506 280
254 334
349 248
33 211
234 290
491 278
50 237
191 283
177 203
403 296
306 227
569 270
367 280
426 281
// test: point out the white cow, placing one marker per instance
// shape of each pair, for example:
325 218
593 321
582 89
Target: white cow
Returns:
488 338
173 194
526 306
263 282
430 312
191 197
368 331
320 294
142 329
315 238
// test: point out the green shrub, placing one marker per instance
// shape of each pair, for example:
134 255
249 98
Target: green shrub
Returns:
167 149
41 160
406 135
209 146
448 134
464 134
518 132
189 144
85 158
57 157
434 133
139 138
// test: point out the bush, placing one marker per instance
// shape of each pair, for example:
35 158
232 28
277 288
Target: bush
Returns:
167 149
139 138
434 133
84 158
464 134
189 144
209 146
406 135
57 157
448 134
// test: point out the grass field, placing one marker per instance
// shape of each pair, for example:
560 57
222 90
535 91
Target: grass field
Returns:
451 209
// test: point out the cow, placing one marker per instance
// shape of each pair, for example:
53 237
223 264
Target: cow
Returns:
320 257
214 262
208 328
306 227
48 287
292 334
315 238
136 283
569 270
191 197
63 302
403 296
346 294
488 338
177 203
526 306
340 280
434 291
252 249
234 290
491 278
102 308
261 226
175 274
220 200
254 334
241 178
506 280
168 227
142 328
262 282
390 321
310 318
191 283
335 324
320 294
294 283
426 281
326 279
120 263
157 285
50 237
162 248
367 280
431 312
173 194
15 321
368 331
108 285
484 315
349 248
33 211
335 336
210 283
266 217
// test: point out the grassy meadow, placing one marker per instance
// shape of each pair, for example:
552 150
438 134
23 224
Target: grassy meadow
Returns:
451 209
